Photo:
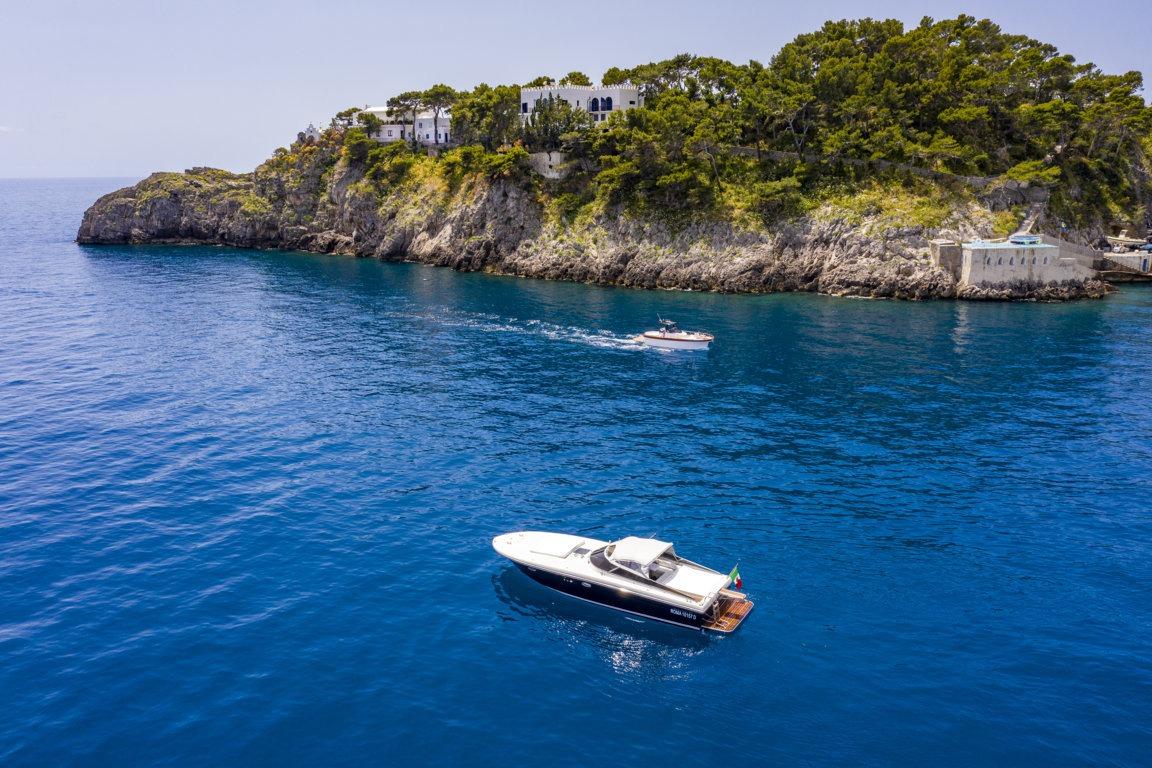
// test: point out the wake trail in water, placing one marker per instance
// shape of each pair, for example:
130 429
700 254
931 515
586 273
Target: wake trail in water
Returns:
489 323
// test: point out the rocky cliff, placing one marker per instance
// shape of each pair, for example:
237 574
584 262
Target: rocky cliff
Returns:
317 200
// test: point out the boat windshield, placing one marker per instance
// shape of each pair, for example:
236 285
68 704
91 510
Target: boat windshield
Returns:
660 570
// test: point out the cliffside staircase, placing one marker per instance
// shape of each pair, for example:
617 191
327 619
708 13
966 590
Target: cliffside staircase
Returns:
1035 211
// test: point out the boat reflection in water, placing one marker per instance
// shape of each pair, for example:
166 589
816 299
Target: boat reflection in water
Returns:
630 646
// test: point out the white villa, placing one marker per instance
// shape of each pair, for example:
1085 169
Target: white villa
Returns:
597 99
428 131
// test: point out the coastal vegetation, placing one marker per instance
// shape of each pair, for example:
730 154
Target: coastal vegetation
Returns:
849 109
830 168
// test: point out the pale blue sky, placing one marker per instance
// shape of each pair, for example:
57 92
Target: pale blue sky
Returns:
124 87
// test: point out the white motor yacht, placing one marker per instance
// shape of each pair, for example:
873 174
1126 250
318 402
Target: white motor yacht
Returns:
670 336
641 576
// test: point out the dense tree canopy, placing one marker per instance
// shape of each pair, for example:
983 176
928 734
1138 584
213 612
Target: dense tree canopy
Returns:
403 108
575 78
958 96
551 122
487 116
371 123
438 99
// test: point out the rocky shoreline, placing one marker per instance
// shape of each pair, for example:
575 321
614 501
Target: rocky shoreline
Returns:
503 226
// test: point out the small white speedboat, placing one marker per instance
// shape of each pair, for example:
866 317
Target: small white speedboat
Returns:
640 576
671 337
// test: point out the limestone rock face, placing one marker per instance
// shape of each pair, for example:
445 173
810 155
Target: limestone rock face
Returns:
501 227
198 206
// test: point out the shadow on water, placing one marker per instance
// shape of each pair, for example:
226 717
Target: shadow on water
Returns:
580 622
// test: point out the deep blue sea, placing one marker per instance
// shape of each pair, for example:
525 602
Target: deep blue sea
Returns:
247 498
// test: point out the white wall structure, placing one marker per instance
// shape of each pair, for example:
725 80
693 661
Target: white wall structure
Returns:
947 255
550 165
1141 260
598 100
985 263
426 133
1084 254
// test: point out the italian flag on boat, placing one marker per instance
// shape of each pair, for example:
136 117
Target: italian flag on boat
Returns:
734 578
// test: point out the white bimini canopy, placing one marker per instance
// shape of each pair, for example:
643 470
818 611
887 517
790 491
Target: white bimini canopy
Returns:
642 551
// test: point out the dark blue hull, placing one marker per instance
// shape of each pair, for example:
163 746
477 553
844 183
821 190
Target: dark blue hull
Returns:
615 598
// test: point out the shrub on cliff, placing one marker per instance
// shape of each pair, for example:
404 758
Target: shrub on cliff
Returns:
1033 172
509 164
462 161
357 145
778 199
457 164
390 163
255 207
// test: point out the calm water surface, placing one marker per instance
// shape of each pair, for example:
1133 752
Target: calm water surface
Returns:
246 502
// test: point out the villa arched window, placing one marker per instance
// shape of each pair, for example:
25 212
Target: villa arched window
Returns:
594 105
1000 260
1011 261
606 104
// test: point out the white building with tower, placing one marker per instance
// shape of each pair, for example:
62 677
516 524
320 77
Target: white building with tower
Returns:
599 100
